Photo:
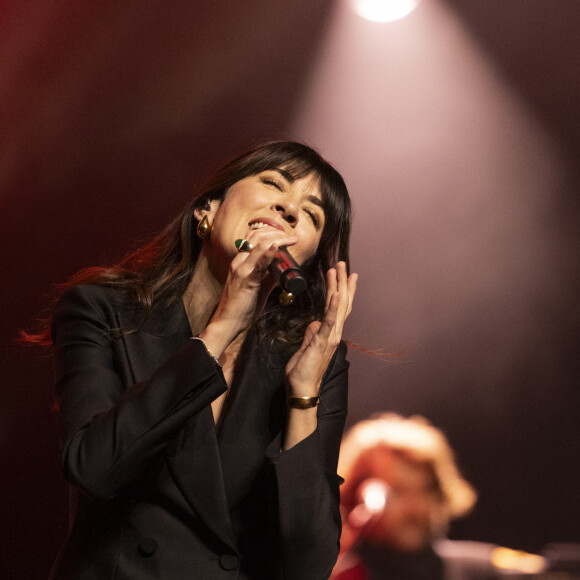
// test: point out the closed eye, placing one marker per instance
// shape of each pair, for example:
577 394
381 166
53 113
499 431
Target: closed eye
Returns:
272 182
313 216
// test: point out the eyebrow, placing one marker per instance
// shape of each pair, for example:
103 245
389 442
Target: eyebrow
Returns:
316 201
290 179
285 174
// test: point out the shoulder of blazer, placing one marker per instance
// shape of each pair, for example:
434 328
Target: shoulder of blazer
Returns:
90 297
90 302
87 299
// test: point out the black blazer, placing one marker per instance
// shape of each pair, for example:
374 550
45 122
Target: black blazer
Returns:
157 491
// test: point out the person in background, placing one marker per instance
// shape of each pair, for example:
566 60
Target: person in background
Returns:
402 489
200 407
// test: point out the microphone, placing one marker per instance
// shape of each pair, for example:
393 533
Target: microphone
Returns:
287 273
372 495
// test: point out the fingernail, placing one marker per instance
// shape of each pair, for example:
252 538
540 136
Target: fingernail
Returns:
238 243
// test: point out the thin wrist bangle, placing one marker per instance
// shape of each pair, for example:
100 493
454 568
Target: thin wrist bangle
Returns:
215 358
302 402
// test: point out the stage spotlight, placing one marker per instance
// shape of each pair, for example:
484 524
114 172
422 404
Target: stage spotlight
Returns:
384 10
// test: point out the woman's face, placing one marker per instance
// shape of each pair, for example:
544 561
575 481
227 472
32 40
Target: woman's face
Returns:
268 207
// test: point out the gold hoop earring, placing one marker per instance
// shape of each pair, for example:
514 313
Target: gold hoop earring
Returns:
286 298
203 228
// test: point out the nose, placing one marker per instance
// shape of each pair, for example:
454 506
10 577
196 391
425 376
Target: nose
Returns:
288 210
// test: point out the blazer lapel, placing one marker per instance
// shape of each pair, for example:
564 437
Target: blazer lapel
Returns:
193 458
154 341
197 471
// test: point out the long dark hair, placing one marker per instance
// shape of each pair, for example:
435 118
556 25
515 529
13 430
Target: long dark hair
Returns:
156 275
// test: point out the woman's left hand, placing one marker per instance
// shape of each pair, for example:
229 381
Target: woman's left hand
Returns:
307 366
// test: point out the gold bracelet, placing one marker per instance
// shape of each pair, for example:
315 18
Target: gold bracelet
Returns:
215 358
302 402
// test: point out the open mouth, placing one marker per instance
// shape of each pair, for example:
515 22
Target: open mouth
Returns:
264 223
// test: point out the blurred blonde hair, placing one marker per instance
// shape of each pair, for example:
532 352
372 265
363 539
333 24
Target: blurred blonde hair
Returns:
416 439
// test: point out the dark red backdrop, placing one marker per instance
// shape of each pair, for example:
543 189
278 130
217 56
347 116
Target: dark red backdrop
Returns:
112 111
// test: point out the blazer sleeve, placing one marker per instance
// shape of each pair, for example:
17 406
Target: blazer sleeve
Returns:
111 429
308 484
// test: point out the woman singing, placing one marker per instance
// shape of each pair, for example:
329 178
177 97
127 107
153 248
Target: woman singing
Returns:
200 414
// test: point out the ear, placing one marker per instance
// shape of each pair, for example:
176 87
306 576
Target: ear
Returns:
210 211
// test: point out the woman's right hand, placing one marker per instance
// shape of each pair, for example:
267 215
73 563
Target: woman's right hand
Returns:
243 295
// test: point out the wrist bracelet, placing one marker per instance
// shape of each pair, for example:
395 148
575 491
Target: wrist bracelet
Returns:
215 358
302 402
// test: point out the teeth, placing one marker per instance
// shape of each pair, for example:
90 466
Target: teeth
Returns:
258 225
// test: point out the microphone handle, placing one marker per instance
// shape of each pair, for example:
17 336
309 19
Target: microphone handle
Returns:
287 273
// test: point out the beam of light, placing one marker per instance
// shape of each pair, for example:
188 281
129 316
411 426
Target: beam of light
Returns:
451 177
384 10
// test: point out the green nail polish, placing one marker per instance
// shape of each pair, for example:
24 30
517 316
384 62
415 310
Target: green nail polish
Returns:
238 243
